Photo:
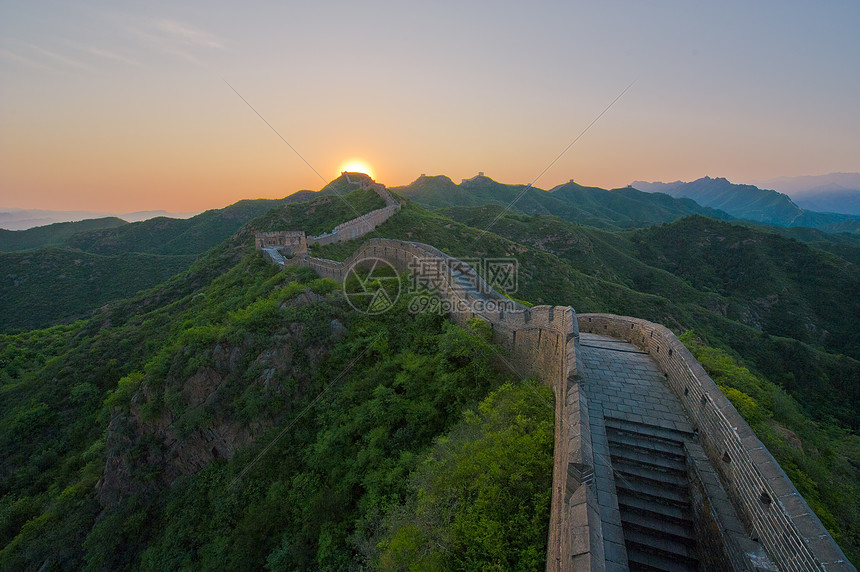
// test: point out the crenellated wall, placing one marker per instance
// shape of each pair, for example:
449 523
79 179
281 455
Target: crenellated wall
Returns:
762 494
295 242
356 227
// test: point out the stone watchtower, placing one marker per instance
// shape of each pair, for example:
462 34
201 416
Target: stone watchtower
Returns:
288 242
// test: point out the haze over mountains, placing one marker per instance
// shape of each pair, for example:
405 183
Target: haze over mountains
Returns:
836 192
22 219
752 203
811 184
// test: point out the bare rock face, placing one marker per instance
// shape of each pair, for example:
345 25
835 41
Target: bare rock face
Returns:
176 427
148 449
200 386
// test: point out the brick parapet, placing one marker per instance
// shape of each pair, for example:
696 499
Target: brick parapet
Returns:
766 501
297 243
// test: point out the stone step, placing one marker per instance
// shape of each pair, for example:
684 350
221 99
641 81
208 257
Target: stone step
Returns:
631 486
645 431
648 446
640 504
681 552
655 475
638 455
657 526
647 562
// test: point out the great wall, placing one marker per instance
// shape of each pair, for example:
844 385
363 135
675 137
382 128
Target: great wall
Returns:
653 466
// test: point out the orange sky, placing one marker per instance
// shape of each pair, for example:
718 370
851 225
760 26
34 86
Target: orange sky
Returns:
117 109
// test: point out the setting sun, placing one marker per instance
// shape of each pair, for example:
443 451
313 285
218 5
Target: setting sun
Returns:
356 166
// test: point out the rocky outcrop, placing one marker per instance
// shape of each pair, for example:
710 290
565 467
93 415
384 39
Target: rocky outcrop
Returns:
176 424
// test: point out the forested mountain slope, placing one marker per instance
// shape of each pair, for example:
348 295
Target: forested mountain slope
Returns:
53 234
49 286
785 307
138 439
617 209
46 287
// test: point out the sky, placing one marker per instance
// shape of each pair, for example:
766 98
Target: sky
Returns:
121 107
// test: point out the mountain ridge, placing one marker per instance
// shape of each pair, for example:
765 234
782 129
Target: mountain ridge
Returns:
751 203
616 209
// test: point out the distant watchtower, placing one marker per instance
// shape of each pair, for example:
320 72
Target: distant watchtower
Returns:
363 180
286 241
480 175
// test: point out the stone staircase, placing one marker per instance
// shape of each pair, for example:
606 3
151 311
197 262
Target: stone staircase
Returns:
649 464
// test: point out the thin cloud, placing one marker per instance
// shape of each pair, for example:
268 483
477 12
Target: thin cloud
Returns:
66 60
187 34
182 54
176 39
25 60
111 56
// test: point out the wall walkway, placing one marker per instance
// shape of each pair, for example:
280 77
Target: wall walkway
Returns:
768 504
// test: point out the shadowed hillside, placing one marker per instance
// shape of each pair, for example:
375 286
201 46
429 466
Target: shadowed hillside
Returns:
53 234
51 286
56 285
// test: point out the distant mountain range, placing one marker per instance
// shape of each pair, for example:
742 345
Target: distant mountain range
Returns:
801 186
752 203
836 192
22 219
593 206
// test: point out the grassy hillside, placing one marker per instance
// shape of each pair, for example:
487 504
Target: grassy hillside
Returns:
618 209
316 217
775 284
52 234
819 458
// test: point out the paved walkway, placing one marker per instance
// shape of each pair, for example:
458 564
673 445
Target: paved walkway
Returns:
622 383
